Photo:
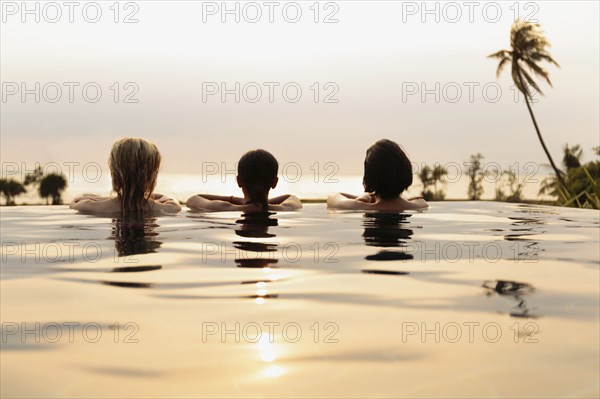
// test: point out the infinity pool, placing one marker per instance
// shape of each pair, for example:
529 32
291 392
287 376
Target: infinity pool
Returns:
463 300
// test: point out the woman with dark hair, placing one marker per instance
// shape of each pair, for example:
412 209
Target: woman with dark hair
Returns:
388 173
257 175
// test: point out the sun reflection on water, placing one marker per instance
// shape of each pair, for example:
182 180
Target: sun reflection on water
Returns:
274 371
269 352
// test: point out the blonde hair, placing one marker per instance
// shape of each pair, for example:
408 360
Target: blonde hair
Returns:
134 165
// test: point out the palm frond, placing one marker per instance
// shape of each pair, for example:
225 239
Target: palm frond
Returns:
515 71
531 83
537 70
500 54
544 55
501 66
529 46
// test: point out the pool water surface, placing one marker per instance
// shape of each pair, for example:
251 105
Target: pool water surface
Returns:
466 299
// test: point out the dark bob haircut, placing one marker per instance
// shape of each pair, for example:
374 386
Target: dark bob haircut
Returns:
257 169
388 171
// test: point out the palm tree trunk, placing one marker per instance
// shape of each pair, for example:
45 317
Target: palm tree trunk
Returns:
539 134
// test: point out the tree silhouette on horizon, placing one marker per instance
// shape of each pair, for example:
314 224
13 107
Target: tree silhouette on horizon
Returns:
528 49
476 176
52 185
11 188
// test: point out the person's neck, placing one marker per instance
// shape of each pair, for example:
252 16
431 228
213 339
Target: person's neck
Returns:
378 199
247 197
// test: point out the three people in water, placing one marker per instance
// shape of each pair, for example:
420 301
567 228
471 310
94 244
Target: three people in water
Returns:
134 164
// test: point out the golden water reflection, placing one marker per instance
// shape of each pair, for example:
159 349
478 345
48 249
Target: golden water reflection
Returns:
268 352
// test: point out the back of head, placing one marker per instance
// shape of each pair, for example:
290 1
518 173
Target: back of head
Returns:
257 170
388 171
134 165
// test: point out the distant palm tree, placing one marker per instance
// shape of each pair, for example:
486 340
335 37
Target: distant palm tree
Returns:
34 178
425 175
528 49
437 175
10 189
515 188
52 186
571 160
549 187
572 156
476 175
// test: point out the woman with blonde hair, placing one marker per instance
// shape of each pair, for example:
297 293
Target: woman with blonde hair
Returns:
134 164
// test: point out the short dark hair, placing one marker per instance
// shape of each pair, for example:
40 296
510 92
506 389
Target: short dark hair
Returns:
257 169
388 171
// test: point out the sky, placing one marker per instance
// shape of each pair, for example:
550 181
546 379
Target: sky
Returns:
370 70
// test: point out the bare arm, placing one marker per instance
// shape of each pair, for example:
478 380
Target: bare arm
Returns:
219 203
201 203
231 199
279 200
285 203
418 203
95 204
368 202
164 203
88 196
347 202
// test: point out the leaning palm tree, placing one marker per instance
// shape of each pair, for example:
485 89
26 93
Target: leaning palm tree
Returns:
529 47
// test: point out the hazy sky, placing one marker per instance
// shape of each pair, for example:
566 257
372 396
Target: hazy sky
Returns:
372 57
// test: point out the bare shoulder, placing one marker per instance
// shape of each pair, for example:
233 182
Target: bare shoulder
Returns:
400 204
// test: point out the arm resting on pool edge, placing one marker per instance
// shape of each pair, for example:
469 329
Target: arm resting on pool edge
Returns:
201 203
368 202
288 202
419 202
231 199
366 197
219 203
344 202
164 203
97 204
94 203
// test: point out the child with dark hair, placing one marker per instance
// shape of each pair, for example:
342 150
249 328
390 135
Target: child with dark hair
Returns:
257 175
388 173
